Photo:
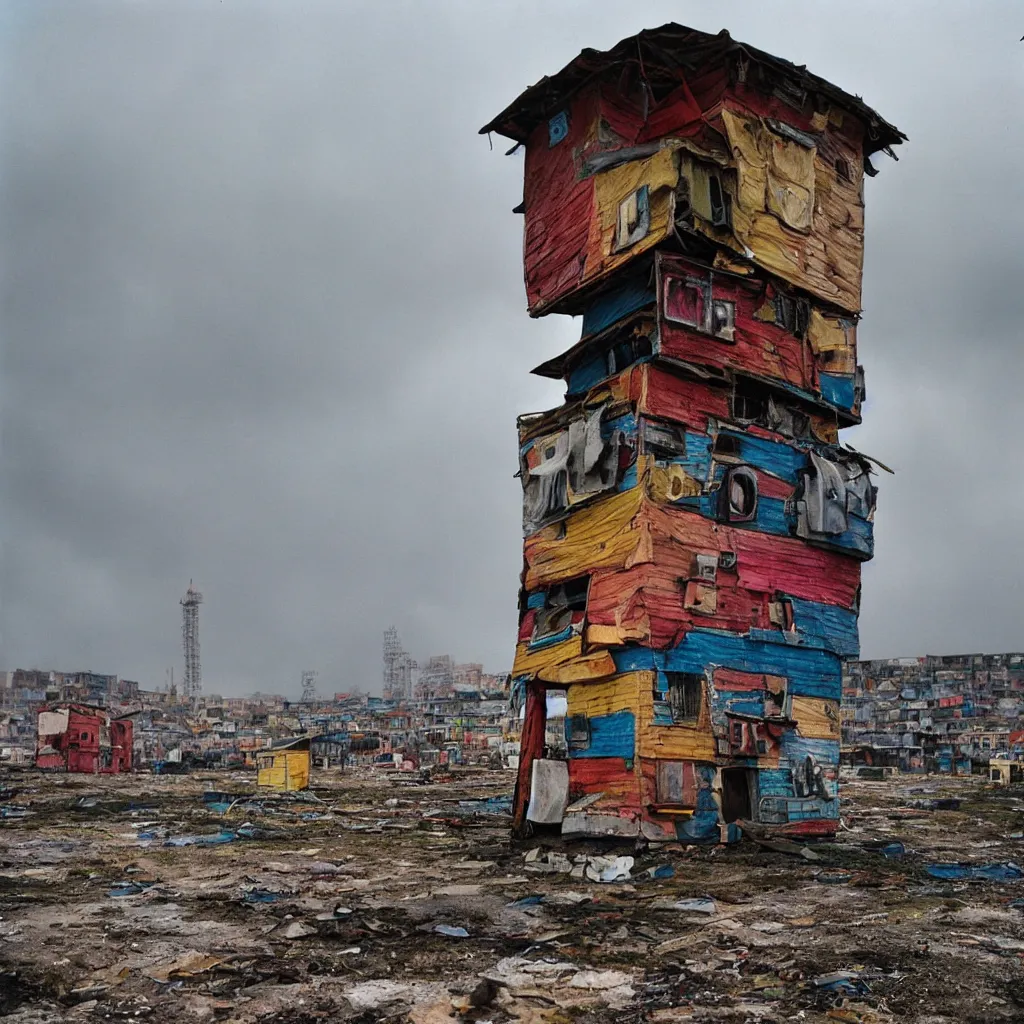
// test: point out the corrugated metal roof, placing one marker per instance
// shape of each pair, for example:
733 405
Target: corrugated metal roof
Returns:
663 53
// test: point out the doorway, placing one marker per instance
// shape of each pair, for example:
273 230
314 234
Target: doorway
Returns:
738 787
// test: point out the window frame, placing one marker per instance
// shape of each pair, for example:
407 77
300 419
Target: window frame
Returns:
627 236
710 309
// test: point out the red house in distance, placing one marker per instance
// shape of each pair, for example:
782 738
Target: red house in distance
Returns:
82 738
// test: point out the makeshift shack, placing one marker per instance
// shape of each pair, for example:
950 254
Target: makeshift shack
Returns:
284 768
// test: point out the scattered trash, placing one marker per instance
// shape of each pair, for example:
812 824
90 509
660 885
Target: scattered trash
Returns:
295 930
834 877
939 804
609 869
849 983
130 888
202 840
496 805
662 871
526 901
188 965
261 896
451 932
704 905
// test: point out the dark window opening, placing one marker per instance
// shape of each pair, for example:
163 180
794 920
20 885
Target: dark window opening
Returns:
725 444
738 495
560 602
684 208
665 441
556 496
623 353
579 732
626 348
749 402
719 202
737 734
792 314
685 695
843 169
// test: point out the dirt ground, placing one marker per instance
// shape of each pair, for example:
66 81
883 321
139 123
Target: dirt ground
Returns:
383 897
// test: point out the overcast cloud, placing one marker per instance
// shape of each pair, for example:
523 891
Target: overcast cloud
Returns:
263 323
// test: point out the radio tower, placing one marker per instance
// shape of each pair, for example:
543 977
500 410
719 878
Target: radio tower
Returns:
192 685
308 687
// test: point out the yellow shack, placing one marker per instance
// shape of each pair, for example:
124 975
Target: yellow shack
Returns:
284 768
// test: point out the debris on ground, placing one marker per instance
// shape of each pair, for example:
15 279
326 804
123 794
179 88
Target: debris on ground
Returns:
404 899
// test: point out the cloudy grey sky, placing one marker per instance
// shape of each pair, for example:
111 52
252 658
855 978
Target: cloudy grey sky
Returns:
263 323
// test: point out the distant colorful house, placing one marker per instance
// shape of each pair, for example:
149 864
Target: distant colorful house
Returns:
83 738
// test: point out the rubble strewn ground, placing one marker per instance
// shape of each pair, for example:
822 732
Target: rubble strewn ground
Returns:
382 897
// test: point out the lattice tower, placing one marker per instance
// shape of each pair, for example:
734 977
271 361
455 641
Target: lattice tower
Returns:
308 686
192 685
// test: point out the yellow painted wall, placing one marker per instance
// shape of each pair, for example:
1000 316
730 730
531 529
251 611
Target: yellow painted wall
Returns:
660 173
792 210
605 697
603 535
531 663
816 718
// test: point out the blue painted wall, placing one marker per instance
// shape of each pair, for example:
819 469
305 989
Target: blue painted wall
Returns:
611 735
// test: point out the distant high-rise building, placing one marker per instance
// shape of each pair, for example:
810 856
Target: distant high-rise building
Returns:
398 668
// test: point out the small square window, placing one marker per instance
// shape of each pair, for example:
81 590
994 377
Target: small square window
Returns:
634 219
707 567
685 300
579 732
558 128
685 695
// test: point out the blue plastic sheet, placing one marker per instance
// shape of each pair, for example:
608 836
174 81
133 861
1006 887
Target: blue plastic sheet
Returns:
205 840
526 901
129 889
261 896
986 872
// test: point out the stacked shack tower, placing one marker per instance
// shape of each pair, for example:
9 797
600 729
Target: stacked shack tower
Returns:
694 528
